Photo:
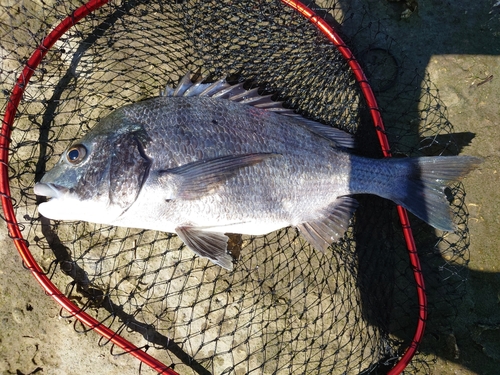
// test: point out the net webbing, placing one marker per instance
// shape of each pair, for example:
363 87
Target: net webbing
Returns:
285 308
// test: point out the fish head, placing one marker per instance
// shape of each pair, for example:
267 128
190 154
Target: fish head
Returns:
98 177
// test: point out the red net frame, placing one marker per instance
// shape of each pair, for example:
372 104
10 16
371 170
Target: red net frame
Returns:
93 324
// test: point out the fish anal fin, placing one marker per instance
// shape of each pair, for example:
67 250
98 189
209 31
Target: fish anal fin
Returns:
209 245
330 224
201 177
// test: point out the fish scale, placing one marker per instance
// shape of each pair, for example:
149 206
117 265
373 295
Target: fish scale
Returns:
210 158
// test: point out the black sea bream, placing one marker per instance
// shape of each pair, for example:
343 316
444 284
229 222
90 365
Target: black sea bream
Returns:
208 159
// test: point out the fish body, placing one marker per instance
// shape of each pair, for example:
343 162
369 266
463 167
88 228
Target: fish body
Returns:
208 159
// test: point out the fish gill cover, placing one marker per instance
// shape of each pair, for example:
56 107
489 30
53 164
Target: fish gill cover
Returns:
285 308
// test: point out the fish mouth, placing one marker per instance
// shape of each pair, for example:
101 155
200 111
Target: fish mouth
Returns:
49 190
61 203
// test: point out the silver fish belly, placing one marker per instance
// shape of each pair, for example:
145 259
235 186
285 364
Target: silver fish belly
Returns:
208 159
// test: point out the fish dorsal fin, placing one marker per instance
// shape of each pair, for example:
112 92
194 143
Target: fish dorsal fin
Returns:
186 87
223 90
337 136
237 93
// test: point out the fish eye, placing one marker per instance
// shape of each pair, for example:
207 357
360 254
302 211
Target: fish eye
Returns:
76 154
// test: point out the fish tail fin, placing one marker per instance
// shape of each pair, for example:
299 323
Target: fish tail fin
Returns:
424 193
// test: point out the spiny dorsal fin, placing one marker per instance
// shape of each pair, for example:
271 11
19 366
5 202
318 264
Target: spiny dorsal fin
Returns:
237 93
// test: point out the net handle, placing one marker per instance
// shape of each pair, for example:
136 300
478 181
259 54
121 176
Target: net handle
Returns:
367 91
7 205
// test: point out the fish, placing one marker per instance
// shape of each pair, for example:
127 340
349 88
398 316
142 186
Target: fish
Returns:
205 159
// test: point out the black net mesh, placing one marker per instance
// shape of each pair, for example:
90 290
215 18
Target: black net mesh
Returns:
285 308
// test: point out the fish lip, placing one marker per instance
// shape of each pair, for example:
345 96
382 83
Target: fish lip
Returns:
49 190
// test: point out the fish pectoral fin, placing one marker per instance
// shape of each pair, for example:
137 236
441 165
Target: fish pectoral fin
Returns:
330 225
209 245
198 178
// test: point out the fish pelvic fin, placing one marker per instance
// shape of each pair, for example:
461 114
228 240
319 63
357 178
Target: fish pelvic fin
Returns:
424 195
209 245
330 224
